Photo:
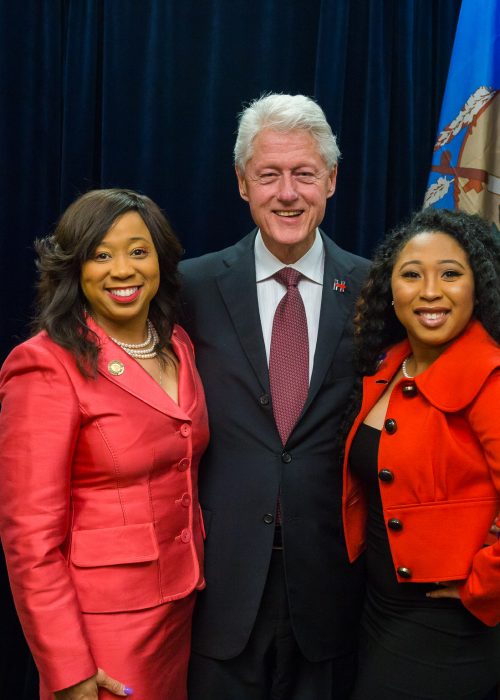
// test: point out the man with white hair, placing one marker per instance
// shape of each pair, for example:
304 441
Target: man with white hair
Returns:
270 318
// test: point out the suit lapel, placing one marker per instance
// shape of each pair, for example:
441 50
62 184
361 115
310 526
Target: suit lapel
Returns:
122 370
238 288
335 312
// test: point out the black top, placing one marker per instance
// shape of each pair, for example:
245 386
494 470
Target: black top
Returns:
380 568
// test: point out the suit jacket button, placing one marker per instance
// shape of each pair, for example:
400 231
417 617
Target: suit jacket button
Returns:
184 464
264 400
409 390
390 426
395 524
286 457
185 536
386 475
268 518
404 572
185 430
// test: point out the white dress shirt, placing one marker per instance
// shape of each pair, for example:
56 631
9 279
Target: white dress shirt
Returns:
270 291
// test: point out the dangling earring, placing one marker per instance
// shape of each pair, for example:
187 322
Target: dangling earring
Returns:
392 302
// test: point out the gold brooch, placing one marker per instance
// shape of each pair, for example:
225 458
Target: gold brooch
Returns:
116 367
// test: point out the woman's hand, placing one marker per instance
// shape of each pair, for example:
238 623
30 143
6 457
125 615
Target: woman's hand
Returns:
88 689
449 590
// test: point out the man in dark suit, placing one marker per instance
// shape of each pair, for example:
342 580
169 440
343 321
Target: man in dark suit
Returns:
278 619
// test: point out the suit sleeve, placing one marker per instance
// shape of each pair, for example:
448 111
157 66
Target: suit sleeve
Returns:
39 425
480 593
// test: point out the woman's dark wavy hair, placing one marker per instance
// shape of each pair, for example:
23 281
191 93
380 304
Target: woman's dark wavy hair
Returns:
60 302
376 325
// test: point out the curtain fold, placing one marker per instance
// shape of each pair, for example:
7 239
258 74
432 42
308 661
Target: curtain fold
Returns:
81 97
381 70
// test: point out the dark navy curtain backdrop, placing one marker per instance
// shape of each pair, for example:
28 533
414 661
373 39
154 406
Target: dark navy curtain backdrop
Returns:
144 94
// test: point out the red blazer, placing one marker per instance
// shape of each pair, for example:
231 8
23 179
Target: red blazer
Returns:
99 509
439 469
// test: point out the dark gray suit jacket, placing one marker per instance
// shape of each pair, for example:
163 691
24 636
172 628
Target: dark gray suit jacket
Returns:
246 465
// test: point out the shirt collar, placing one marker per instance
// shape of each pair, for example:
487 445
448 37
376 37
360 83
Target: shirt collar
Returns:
311 265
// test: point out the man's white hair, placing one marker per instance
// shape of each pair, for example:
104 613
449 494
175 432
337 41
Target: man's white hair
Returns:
284 113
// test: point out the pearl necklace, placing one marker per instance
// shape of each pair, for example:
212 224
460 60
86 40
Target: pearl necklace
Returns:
405 370
142 351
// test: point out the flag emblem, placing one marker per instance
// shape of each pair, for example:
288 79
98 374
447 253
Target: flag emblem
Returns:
465 170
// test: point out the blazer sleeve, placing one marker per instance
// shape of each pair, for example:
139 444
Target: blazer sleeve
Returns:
39 425
480 592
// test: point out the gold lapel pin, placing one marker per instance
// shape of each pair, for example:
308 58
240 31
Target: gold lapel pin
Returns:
116 367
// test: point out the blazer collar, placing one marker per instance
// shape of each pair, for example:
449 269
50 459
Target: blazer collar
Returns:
456 377
136 381
452 380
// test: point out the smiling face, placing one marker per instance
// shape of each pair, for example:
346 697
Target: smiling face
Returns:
121 278
286 183
433 291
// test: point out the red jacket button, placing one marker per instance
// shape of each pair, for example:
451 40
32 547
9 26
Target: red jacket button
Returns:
184 464
186 536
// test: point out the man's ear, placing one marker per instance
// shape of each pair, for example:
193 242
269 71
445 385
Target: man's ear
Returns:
332 182
242 185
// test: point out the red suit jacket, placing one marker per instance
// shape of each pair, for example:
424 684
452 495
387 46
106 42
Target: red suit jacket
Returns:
99 509
439 469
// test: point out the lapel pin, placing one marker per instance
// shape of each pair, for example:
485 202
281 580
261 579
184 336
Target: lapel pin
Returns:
339 285
116 367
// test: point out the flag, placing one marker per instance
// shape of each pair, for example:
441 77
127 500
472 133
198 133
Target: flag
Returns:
465 170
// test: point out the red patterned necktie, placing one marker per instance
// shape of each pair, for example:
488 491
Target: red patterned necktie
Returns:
289 355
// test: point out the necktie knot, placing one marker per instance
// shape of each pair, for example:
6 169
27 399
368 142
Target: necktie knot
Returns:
288 276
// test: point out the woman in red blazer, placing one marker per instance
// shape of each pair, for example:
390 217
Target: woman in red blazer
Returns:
422 462
102 427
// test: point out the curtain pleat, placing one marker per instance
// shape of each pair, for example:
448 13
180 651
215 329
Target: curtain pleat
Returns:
380 75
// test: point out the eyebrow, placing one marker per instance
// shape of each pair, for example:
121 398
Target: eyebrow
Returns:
132 239
275 166
439 262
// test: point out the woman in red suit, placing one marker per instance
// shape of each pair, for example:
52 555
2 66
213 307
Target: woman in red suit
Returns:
102 427
422 462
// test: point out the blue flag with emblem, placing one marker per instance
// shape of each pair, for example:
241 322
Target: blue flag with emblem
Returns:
465 171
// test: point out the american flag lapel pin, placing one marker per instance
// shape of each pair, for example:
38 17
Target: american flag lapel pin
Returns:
339 285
